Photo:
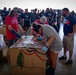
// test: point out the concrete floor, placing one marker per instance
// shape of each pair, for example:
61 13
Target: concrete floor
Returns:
61 68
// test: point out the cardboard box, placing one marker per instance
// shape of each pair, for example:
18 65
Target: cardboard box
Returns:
26 61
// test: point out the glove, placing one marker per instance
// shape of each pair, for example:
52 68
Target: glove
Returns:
39 38
24 32
45 48
16 34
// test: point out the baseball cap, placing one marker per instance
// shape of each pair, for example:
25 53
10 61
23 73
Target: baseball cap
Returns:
15 9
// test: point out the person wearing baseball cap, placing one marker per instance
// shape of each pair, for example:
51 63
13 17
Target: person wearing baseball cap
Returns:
12 27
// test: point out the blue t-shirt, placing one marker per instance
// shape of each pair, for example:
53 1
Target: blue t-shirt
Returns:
26 16
49 15
42 14
69 22
4 14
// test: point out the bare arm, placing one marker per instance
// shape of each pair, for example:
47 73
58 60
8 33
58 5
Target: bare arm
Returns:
74 31
9 27
51 39
14 32
74 28
20 29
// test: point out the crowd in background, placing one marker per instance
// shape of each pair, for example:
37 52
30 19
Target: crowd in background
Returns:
53 41
54 16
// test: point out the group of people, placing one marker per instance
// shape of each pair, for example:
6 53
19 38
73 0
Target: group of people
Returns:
43 31
25 18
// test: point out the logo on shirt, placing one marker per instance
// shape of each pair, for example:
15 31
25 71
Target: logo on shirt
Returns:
67 22
14 22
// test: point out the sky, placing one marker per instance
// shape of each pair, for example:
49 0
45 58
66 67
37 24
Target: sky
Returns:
40 4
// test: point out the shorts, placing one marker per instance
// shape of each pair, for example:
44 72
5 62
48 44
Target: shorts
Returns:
27 23
57 47
68 42
56 51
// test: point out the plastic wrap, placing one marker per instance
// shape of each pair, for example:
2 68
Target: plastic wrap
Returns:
2 43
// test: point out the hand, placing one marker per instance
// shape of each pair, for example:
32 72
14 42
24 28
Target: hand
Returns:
45 48
39 38
24 32
70 34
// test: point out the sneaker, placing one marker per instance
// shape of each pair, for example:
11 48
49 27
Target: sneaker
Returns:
69 62
62 58
50 71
